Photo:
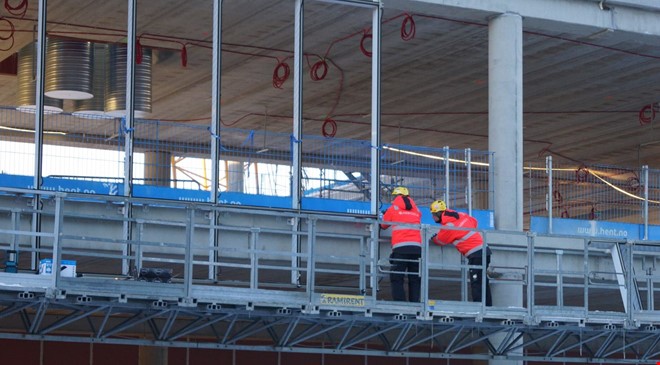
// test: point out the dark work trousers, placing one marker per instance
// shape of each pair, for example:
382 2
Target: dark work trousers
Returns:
405 259
476 276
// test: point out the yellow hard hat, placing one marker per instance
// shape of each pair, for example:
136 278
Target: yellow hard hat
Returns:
400 190
438 206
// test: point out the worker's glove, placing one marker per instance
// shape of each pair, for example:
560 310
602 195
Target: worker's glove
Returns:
431 242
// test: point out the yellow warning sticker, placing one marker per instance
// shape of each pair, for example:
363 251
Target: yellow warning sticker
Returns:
344 300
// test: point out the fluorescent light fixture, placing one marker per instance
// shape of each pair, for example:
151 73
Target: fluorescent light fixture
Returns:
31 131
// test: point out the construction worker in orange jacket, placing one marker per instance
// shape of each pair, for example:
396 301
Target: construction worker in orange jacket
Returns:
406 245
469 243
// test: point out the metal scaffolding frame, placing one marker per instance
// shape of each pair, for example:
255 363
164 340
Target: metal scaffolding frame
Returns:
252 311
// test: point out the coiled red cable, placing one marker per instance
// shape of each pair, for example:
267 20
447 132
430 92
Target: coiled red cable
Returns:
280 74
647 114
329 123
408 28
10 36
319 70
365 36
19 10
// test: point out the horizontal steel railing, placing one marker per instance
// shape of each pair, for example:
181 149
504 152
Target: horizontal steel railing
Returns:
345 268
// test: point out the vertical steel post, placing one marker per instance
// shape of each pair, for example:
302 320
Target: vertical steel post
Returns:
296 137
645 177
216 90
530 274
188 254
39 130
129 124
57 230
254 258
548 167
375 107
468 162
446 194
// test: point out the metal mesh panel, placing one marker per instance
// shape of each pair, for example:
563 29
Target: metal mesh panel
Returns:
436 173
337 169
177 155
16 142
180 163
595 192
653 196
90 150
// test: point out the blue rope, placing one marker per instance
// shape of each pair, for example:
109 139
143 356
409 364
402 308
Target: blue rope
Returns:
122 127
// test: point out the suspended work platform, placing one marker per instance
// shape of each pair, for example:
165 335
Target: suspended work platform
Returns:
226 277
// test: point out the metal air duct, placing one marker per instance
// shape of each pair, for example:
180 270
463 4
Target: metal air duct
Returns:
115 86
94 107
26 71
69 66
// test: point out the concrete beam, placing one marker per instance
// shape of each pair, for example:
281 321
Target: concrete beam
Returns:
635 16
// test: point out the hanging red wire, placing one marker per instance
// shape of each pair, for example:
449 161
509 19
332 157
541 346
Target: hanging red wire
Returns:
647 114
280 74
184 56
18 10
10 36
138 52
329 128
365 36
408 28
319 70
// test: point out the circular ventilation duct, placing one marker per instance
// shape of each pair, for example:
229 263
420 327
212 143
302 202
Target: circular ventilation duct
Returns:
27 69
115 86
95 107
68 69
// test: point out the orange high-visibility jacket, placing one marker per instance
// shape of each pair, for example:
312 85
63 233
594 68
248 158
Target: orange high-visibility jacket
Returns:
466 242
397 213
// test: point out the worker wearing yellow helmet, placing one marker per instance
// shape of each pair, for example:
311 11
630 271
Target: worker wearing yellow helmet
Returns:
406 244
469 243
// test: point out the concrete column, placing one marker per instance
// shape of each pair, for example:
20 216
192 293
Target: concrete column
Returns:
235 176
505 133
157 166
505 140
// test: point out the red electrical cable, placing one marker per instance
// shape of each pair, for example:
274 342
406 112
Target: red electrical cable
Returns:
365 36
644 116
280 74
333 128
12 30
408 28
138 52
184 56
314 71
18 10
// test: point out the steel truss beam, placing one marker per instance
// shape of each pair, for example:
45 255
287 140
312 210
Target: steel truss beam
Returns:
143 322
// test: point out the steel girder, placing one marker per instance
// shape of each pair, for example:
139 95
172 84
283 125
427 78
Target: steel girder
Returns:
161 323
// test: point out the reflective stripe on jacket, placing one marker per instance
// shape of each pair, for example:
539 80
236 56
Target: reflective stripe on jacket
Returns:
466 242
397 213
